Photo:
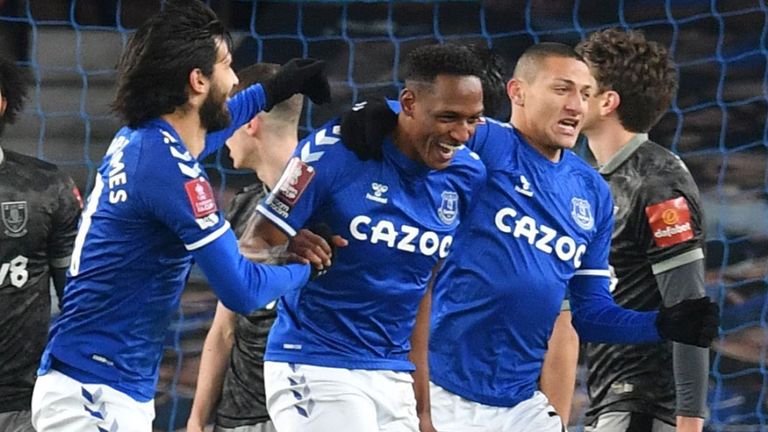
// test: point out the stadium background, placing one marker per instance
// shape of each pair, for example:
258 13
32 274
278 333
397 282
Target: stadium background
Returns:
717 125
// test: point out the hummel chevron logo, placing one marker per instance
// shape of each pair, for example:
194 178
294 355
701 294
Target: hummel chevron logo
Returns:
321 139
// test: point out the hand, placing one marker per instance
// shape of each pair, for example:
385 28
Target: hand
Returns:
365 126
692 322
316 246
306 76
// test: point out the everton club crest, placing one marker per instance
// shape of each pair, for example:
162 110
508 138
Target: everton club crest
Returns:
14 215
582 214
448 207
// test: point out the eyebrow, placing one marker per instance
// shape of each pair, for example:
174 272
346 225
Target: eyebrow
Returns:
570 82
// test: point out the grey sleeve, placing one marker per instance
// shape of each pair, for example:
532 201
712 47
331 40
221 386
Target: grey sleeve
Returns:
681 279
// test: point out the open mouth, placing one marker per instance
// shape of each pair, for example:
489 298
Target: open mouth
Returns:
448 149
568 126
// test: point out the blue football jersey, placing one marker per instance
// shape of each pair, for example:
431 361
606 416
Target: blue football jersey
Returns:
399 217
151 209
534 227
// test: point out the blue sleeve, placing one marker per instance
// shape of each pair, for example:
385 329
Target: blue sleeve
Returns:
172 187
596 317
242 108
491 142
243 286
308 180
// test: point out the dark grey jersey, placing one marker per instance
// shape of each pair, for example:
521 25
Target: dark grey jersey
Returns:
658 227
242 399
39 208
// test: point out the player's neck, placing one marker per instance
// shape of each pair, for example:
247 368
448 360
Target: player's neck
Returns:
189 128
606 140
269 166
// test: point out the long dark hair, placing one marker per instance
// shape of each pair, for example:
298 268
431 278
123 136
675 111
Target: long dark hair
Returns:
155 66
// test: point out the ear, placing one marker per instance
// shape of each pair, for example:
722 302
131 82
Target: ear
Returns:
3 105
407 101
609 102
253 127
516 92
198 82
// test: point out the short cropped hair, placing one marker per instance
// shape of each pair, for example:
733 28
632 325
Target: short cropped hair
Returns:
425 63
639 70
13 86
287 111
529 62
154 69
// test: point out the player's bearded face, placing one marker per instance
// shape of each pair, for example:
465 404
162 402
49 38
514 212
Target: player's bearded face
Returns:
214 114
557 101
446 114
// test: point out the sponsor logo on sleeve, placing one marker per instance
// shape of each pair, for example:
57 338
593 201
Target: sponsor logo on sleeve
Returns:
670 222
201 197
290 187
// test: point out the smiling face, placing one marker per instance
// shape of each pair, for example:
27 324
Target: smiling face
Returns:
551 105
440 117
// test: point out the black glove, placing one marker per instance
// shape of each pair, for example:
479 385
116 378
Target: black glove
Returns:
692 322
306 76
324 231
364 127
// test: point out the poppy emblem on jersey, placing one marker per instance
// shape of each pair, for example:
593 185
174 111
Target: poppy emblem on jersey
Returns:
582 213
448 207
15 218
200 196
670 222
291 186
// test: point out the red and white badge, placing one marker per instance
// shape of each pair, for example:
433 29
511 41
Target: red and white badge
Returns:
294 181
201 197
670 222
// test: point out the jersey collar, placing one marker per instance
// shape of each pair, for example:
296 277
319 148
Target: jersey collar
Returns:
406 166
624 153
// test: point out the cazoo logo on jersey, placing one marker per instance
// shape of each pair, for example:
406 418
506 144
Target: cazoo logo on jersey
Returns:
405 238
542 237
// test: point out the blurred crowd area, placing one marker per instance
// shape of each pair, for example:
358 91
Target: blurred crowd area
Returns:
717 125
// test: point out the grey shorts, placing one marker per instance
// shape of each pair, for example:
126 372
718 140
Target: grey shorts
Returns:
261 427
628 422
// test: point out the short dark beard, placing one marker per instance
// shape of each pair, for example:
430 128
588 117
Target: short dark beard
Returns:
214 115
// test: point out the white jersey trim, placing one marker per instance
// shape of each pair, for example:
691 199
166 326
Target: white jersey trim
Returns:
209 238
591 272
276 220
